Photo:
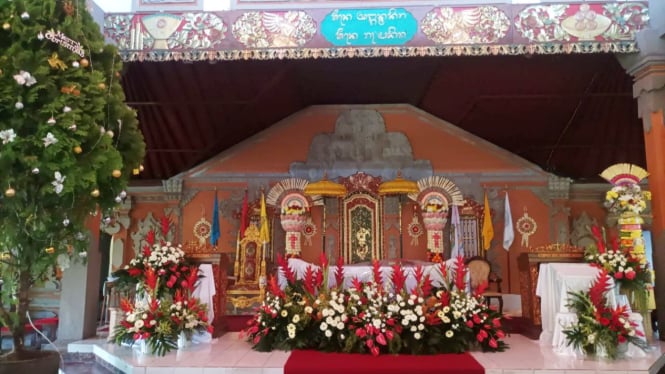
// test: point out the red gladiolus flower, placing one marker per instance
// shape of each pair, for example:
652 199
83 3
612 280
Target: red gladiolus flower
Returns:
604 321
500 334
493 343
134 272
480 337
389 335
630 275
375 351
483 333
361 333
496 322
381 339
618 275
469 323
476 319
369 343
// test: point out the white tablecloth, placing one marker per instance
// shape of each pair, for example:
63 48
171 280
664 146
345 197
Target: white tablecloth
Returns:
364 272
205 291
555 280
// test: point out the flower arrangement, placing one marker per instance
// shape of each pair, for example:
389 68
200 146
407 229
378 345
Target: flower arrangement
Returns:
149 321
371 317
166 259
600 328
620 263
188 314
626 198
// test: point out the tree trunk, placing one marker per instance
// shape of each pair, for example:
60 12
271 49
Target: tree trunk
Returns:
18 331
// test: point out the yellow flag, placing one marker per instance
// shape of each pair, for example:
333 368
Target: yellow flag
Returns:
488 229
264 231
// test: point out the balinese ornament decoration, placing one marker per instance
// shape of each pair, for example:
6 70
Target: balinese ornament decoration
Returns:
18 105
84 62
10 192
116 173
50 250
51 121
526 226
6 26
78 149
95 193
25 16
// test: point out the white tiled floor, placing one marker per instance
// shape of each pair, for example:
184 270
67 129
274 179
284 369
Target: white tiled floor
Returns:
231 355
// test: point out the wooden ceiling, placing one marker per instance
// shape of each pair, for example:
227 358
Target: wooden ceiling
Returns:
571 114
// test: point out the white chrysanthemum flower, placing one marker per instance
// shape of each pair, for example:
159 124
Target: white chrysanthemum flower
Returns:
449 334
7 136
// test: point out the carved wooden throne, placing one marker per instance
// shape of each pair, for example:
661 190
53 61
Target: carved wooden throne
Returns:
249 271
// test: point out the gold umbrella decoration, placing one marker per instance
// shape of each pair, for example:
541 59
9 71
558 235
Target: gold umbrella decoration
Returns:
399 186
325 188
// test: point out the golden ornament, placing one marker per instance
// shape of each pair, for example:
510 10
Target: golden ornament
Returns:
94 193
135 171
56 62
140 167
6 25
102 86
10 192
84 62
50 250
116 173
78 149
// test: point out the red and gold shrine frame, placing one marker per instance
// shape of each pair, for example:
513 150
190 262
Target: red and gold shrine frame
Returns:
362 214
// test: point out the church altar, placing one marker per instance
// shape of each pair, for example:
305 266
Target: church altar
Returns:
555 281
363 271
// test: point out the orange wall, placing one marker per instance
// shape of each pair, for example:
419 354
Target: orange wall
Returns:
273 150
276 148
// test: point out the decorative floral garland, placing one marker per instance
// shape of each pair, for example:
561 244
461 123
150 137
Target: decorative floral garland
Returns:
626 198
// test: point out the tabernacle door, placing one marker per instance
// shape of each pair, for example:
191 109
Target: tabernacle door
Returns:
362 228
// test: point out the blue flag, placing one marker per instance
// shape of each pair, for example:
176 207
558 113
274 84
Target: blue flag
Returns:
214 233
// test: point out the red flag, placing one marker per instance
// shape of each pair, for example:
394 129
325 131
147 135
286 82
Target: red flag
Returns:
243 216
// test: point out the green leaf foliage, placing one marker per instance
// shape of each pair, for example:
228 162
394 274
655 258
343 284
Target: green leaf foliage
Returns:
49 190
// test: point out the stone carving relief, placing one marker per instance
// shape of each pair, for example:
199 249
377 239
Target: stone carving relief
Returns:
581 235
144 226
361 143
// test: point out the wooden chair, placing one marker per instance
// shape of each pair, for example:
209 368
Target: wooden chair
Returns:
480 270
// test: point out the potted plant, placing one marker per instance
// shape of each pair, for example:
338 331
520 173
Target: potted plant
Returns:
68 145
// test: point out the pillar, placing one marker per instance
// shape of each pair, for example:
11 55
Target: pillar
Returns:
648 70
79 299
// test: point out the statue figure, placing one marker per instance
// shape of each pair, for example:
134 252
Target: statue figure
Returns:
362 236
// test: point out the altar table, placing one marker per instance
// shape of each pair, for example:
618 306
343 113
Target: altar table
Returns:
364 272
555 280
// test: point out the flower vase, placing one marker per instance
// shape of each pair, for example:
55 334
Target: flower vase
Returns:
617 289
601 352
184 340
142 346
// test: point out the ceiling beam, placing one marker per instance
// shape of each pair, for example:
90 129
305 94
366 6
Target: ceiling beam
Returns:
554 96
186 103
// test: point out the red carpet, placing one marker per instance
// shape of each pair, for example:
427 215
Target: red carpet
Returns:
308 362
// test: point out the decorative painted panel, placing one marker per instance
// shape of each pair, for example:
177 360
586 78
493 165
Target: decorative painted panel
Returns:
394 26
274 29
571 22
311 32
483 24
164 31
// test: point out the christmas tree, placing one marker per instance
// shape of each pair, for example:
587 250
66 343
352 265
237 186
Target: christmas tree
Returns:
68 143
